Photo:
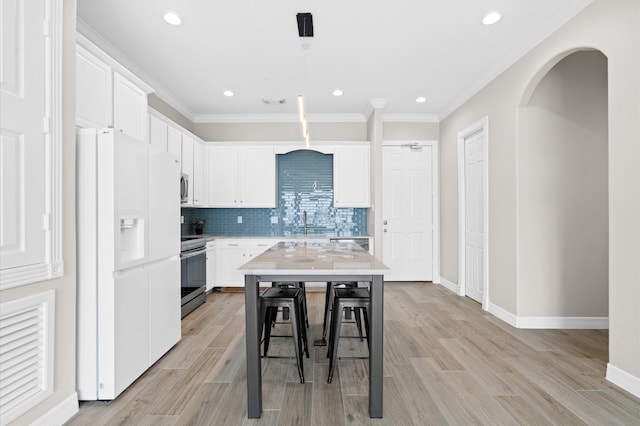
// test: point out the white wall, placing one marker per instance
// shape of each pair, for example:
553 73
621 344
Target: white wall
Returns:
155 102
562 188
410 131
612 27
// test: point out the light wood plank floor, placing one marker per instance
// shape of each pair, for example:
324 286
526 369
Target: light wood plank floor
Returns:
446 362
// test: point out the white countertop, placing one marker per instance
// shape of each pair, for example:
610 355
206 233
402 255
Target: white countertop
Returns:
314 258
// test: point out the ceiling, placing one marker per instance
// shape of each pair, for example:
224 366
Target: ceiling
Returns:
390 52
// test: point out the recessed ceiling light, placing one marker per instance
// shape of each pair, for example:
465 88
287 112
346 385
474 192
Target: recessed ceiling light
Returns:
172 18
337 92
228 93
491 18
421 99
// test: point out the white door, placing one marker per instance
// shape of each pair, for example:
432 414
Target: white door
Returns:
474 214
22 134
407 212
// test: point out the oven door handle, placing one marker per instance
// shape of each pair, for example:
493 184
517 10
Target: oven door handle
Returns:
192 254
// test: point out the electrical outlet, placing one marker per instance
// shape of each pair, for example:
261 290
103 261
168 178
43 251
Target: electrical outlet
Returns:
239 219
274 220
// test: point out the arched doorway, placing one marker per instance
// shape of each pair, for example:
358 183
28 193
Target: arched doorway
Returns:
563 195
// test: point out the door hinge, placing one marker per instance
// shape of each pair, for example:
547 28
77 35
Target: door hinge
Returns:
46 221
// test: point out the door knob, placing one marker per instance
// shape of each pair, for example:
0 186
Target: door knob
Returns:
384 222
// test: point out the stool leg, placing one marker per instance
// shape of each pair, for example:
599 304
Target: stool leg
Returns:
269 318
305 343
296 339
334 337
356 313
328 301
302 285
366 325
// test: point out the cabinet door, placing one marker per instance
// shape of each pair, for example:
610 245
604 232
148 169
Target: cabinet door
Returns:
129 108
164 307
211 265
198 184
157 134
222 169
257 176
94 91
230 255
351 176
174 143
187 163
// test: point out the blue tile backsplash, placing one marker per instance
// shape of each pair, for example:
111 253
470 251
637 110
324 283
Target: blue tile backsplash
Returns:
305 183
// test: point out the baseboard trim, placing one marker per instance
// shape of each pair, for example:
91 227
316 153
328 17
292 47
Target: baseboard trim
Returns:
449 285
61 413
559 323
503 314
595 323
621 378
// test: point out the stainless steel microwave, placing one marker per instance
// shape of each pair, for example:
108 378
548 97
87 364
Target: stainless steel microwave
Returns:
184 188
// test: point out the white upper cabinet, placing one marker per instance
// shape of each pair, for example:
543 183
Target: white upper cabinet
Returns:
167 136
174 142
129 108
223 168
351 178
198 181
158 135
94 88
257 176
107 94
187 163
241 176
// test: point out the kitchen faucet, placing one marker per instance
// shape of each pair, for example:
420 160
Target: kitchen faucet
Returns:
304 220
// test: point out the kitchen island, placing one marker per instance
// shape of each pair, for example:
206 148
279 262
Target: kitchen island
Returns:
313 261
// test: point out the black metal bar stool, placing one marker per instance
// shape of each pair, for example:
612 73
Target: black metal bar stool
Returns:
295 284
356 298
328 303
290 298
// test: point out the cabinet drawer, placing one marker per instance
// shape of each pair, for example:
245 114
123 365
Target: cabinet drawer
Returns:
231 244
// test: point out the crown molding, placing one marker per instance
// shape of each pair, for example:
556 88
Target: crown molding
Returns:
410 118
88 34
277 118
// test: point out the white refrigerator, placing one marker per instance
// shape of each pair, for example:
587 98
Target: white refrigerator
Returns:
128 271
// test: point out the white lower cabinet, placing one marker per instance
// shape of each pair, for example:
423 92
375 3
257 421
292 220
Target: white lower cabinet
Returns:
232 253
211 265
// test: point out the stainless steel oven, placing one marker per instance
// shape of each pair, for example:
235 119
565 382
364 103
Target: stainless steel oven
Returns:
193 270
